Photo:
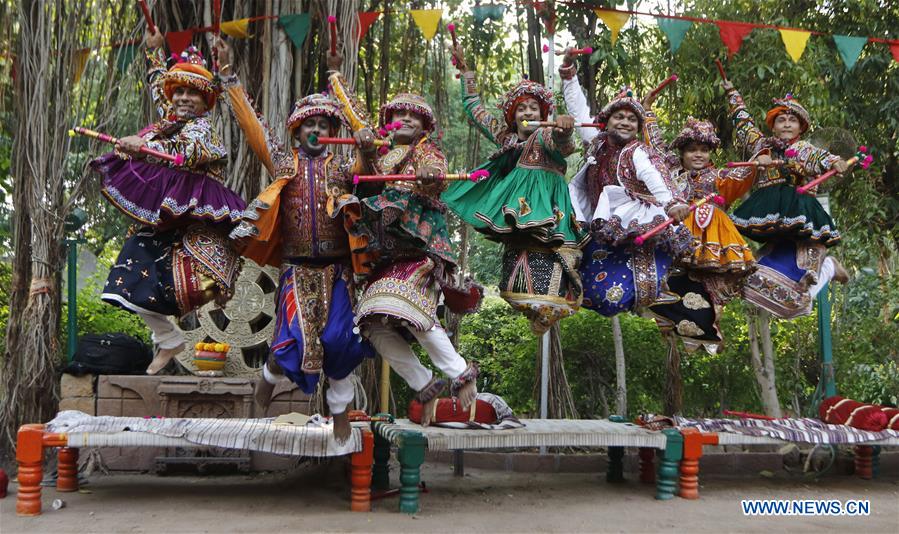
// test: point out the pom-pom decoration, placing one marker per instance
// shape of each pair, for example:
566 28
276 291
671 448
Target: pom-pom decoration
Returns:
791 153
545 48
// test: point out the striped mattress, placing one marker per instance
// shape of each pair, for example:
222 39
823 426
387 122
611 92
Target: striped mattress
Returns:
806 430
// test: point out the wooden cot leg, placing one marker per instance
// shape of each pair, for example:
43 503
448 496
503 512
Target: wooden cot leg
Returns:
689 466
360 476
666 482
380 479
67 469
647 465
875 461
615 471
30 457
411 455
863 467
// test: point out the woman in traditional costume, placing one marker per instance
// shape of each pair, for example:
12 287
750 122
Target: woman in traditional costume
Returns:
704 281
181 257
793 265
623 190
524 203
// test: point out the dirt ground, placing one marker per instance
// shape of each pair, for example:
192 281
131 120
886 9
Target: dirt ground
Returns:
316 499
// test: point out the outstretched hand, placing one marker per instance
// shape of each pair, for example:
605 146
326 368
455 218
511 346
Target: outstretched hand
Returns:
564 125
458 54
335 60
841 166
153 39
223 49
679 212
727 85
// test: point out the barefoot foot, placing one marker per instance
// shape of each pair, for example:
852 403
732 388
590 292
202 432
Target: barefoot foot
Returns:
342 428
162 358
262 393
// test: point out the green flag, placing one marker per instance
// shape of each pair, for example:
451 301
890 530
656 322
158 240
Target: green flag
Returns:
296 27
125 56
674 30
849 48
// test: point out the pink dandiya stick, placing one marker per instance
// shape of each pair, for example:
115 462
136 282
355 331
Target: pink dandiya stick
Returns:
217 26
332 25
474 176
576 51
861 157
147 16
343 141
551 123
661 87
774 163
177 159
711 196
452 29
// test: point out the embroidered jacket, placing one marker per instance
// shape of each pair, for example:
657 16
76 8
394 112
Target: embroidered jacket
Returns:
194 138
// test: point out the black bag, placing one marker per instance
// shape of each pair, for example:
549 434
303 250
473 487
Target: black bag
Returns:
110 354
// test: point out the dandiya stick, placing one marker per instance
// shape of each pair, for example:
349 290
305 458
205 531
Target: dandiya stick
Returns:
711 196
452 177
177 159
452 29
576 51
774 163
721 69
661 87
147 16
315 140
332 25
861 157
552 123
747 415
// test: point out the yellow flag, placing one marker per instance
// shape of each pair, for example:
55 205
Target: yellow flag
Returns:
795 41
427 21
79 60
614 20
239 29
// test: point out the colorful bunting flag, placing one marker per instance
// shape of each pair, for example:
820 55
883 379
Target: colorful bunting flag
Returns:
614 20
490 11
79 61
732 34
178 41
366 19
674 30
795 41
296 27
849 48
427 21
125 56
239 29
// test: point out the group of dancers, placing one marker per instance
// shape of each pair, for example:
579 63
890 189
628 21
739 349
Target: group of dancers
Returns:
365 262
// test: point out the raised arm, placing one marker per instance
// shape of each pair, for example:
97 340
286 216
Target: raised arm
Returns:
576 102
747 135
478 115
154 48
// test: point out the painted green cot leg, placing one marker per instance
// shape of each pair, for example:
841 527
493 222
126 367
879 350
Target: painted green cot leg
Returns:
411 454
666 481
380 477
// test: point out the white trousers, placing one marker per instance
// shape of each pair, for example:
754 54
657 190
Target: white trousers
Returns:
166 334
824 276
340 391
393 348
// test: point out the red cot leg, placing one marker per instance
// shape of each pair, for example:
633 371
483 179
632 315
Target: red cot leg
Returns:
360 474
67 469
30 457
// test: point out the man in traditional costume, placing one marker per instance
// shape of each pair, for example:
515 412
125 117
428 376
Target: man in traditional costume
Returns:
410 257
623 190
524 203
180 258
289 226
793 265
706 280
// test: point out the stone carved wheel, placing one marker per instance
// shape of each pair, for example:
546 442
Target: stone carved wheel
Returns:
247 323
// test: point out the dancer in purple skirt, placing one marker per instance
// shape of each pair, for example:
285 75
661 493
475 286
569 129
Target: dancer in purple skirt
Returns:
180 257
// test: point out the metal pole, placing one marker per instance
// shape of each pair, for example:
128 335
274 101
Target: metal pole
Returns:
72 300
825 342
544 368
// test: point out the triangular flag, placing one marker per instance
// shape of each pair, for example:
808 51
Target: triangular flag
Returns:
125 56
674 30
795 41
732 34
427 21
79 61
178 41
614 20
366 19
849 48
490 11
239 29
296 27
894 49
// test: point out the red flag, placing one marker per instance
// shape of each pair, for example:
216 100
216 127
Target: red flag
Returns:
894 48
733 33
178 41
366 19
